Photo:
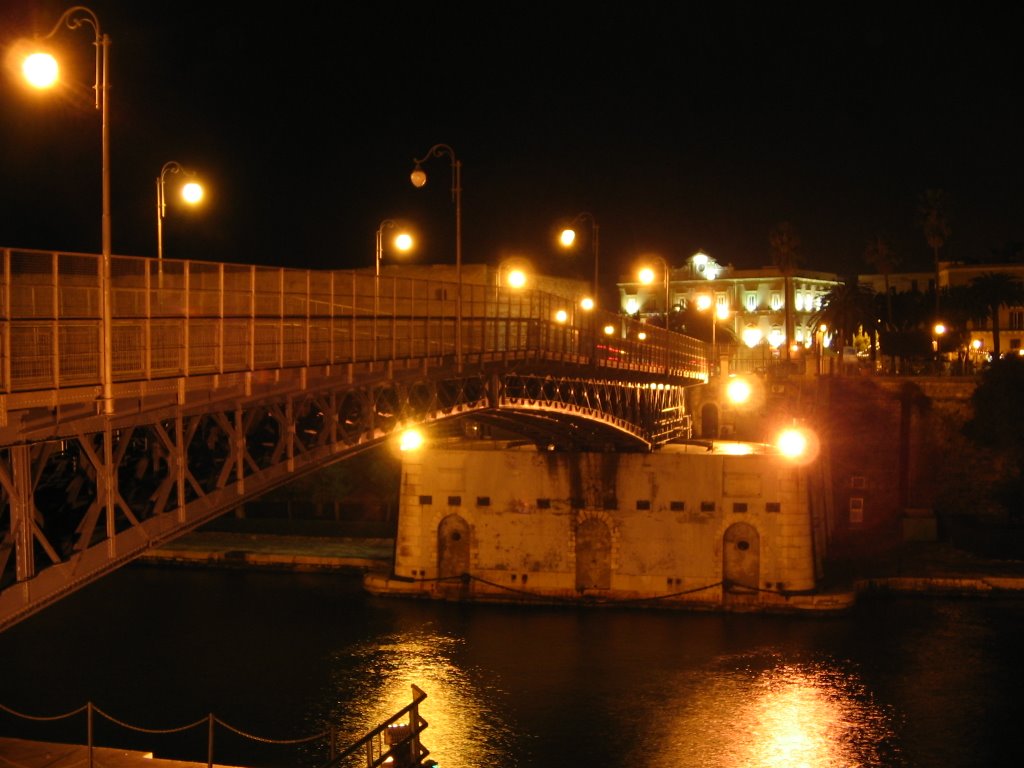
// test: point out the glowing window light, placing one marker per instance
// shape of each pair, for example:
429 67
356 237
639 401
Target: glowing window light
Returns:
775 338
632 305
752 336
609 330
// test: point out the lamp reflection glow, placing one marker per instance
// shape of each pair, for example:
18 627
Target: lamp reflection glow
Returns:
811 714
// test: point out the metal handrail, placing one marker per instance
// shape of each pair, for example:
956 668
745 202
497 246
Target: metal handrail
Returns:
177 319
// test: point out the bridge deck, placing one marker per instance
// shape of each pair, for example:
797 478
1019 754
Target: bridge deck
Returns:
140 398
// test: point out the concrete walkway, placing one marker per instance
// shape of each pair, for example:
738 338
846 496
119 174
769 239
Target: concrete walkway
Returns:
21 753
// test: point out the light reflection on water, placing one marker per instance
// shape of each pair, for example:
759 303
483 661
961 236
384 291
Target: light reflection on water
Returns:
897 684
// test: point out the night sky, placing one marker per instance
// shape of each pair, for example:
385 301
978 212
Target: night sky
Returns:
695 128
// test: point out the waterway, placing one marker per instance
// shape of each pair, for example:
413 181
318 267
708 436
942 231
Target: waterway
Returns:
899 682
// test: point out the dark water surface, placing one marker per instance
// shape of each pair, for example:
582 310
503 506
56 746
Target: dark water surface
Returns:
279 656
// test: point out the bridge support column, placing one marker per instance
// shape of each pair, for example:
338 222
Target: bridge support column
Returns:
22 512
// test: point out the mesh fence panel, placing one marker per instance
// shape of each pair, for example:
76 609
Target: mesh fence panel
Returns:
127 349
236 345
31 355
268 292
237 291
202 346
167 348
79 353
267 349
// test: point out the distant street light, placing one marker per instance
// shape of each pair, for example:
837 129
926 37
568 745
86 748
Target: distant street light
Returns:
419 178
403 241
568 237
191 193
41 71
647 277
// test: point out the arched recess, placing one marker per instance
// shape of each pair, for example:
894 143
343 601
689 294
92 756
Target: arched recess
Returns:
593 554
741 563
452 552
709 426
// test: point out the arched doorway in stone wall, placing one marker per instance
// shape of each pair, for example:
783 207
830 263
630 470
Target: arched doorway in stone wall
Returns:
452 552
709 426
741 563
593 554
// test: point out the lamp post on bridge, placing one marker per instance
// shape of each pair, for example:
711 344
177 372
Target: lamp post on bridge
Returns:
568 237
419 178
192 193
41 70
647 277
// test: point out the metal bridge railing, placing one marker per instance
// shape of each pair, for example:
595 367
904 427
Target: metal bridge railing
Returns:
173 319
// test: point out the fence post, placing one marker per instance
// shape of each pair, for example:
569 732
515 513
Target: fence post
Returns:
209 742
88 727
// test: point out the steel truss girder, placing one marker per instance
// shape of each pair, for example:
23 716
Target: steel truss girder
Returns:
79 505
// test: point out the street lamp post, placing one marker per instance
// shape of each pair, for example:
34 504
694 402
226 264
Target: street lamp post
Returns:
161 201
419 178
647 276
73 18
569 235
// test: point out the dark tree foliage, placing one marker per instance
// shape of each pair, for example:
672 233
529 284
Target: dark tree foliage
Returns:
997 425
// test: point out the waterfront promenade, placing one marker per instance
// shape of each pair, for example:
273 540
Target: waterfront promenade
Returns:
916 567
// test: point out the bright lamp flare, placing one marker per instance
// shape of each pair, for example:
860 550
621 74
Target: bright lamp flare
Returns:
411 440
792 442
418 178
586 304
567 238
192 192
646 275
561 316
516 278
403 241
40 70
798 444
703 302
738 391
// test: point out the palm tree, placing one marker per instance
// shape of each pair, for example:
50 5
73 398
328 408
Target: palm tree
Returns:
845 309
935 225
880 256
785 251
994 290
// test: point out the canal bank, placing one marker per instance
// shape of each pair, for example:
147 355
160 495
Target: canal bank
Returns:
926 568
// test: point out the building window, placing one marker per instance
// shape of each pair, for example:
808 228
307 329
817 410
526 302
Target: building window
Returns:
798 301
856 510
1014 344
776 301
677 506
643 504
773 506
426 500
454 501
858 481
483 501
543 503
739 506
750 301
1016 320
707 506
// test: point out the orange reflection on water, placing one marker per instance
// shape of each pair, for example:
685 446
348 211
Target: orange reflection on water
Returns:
784 717
462 730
